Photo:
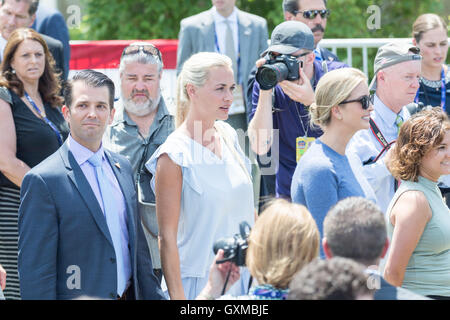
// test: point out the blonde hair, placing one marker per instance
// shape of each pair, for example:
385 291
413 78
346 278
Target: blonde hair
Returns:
333 88
196 71
427 22
284 239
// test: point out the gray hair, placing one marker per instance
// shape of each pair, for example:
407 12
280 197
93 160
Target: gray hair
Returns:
355 229
140 57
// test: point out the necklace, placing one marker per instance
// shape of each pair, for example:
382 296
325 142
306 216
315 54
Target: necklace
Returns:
434 84
300 118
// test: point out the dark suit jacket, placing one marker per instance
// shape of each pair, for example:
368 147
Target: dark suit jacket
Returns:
56 49
328 55
64 236
51 22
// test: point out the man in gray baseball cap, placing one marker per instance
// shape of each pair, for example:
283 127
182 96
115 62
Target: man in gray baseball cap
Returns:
397 68
289 37
290 102
391 54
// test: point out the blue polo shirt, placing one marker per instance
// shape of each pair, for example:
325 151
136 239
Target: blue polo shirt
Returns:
291 119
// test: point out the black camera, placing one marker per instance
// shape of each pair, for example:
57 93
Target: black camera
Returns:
277 69
235 248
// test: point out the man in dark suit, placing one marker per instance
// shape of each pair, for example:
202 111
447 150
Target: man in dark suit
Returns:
355 228
16 14
51 22
79 229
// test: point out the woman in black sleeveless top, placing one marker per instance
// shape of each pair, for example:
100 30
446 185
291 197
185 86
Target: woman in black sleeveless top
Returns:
31 129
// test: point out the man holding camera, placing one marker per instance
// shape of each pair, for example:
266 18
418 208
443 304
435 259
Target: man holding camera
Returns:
279 118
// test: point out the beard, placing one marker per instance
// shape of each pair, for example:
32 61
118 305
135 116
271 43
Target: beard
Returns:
141 109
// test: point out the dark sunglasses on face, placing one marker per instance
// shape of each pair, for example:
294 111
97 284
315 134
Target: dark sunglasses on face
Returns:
365 101
145 48
312 14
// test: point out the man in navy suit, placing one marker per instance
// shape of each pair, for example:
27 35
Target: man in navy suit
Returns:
51 22
79 230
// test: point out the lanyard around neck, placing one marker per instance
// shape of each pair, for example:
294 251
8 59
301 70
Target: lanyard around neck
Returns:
443 92
58 134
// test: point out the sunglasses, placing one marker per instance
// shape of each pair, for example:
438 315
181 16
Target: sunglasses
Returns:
312 14
145 48
365 101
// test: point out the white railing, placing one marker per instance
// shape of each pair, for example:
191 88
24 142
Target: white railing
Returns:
362 43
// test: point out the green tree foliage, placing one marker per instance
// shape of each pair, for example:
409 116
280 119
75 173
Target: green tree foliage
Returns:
349 17
159 19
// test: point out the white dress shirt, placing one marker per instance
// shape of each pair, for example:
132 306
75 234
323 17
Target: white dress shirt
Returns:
2 47
365 145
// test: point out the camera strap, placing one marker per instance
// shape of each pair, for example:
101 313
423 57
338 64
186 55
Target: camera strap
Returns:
386 146
381 139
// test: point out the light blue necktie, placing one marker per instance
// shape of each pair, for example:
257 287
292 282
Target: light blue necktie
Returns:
112 218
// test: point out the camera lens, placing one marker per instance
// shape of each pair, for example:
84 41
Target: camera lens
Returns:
269 75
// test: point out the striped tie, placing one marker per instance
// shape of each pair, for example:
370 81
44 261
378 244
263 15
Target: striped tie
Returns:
112 219
230 50
398 122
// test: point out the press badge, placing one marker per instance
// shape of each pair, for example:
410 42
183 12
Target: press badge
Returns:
303 144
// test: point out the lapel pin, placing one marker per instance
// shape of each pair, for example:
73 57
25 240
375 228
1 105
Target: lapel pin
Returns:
117 165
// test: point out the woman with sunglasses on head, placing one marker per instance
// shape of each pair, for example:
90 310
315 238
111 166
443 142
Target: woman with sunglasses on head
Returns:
202 183
430 35
32 128
324 175
418 221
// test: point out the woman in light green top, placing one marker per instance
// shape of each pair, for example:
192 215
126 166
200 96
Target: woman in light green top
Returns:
418 218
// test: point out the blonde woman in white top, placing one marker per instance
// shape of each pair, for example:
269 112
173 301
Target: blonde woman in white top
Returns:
201 176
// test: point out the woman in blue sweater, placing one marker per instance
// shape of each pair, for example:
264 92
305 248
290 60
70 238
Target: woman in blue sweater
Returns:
324 174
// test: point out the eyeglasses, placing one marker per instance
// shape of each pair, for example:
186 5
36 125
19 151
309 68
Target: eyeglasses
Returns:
365 101
145 48
312 14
